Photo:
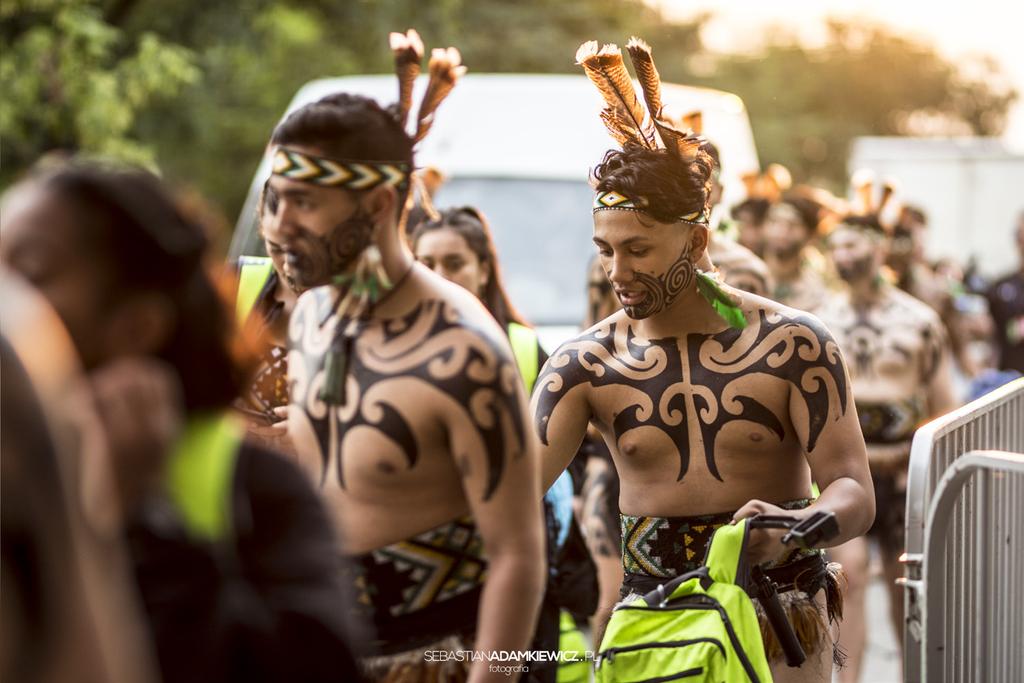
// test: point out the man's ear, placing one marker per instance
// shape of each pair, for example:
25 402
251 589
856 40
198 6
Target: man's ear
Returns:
141 324
382 203
699 237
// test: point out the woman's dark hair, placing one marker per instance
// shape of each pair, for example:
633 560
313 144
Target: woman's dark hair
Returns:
133 225
809 211
471 225
351 127
666 188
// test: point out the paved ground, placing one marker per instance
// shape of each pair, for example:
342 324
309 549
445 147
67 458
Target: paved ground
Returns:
881 662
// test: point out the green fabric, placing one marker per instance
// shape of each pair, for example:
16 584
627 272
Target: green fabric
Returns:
253 273
687 632
723 303
200 472
573 645
524 347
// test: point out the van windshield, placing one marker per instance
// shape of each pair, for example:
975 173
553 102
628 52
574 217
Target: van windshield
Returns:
542 230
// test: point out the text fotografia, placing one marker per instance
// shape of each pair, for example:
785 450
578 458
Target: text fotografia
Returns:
508 656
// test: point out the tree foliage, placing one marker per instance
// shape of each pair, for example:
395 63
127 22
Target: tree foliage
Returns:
197 87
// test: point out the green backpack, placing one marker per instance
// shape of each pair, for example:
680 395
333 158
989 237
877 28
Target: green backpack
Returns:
700 626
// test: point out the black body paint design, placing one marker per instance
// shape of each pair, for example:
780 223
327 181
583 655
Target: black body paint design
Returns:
430 345
867 341
702 377
314 260
662 290
601 508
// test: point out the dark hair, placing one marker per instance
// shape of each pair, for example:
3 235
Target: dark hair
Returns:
807 209
757 206
665 187
351 127
147 244
867 221
914 213
471 225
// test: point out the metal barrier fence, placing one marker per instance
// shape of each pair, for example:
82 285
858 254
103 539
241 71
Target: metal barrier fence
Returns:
993 422
974 592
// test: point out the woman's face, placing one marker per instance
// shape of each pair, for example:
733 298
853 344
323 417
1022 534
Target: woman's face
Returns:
447 253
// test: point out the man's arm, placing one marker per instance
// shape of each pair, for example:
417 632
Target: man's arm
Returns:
824 417
492 447
561 414
937 370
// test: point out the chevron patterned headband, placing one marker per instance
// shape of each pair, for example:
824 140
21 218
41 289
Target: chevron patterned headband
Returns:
611 200
345 174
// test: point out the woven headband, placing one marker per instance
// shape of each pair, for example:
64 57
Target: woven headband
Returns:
611 200
349 175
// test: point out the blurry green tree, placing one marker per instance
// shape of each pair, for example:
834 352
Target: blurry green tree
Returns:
198 86
73 81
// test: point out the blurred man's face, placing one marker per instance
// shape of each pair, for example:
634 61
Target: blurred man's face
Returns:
785 234
45 243
649 264
750 232
907 242
320 230
856 254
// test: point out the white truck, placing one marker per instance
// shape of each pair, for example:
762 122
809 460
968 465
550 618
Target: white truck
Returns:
971 188
520 147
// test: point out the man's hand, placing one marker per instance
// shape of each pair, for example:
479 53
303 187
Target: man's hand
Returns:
271 433
765 545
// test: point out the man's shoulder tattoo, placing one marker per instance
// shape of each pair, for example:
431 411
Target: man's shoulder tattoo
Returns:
430 348
691 389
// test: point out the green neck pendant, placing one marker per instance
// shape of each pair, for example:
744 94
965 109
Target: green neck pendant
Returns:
723 303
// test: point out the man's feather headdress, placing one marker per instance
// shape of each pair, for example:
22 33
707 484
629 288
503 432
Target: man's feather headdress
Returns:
626 119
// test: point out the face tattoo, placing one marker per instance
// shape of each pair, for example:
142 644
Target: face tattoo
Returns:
661 291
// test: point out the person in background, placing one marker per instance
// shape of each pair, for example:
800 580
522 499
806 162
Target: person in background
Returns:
900 367
457 245
1006 304
790 232
266 297
750 216
405 402
233 553
932 285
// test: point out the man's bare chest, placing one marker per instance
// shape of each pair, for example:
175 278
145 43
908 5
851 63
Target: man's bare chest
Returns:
702 391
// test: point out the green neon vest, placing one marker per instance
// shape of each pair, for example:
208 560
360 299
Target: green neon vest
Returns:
253 273
200 473
524 348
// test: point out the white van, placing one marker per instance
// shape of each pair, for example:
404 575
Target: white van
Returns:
520 147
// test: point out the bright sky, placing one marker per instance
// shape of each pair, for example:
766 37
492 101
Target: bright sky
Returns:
990 27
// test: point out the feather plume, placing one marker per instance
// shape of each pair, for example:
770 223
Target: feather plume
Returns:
607 71
750 181
779 178
621 130
445 68
646 74
694 121
888 190
408 51
680 143
863 182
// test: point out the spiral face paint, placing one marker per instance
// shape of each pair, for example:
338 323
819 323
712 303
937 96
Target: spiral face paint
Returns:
313 260
661 291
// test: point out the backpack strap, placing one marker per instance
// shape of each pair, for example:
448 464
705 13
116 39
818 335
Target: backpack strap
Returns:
253 273
200 473
524 347
726 560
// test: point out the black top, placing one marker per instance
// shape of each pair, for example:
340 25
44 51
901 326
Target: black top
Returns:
1006 303
269 606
